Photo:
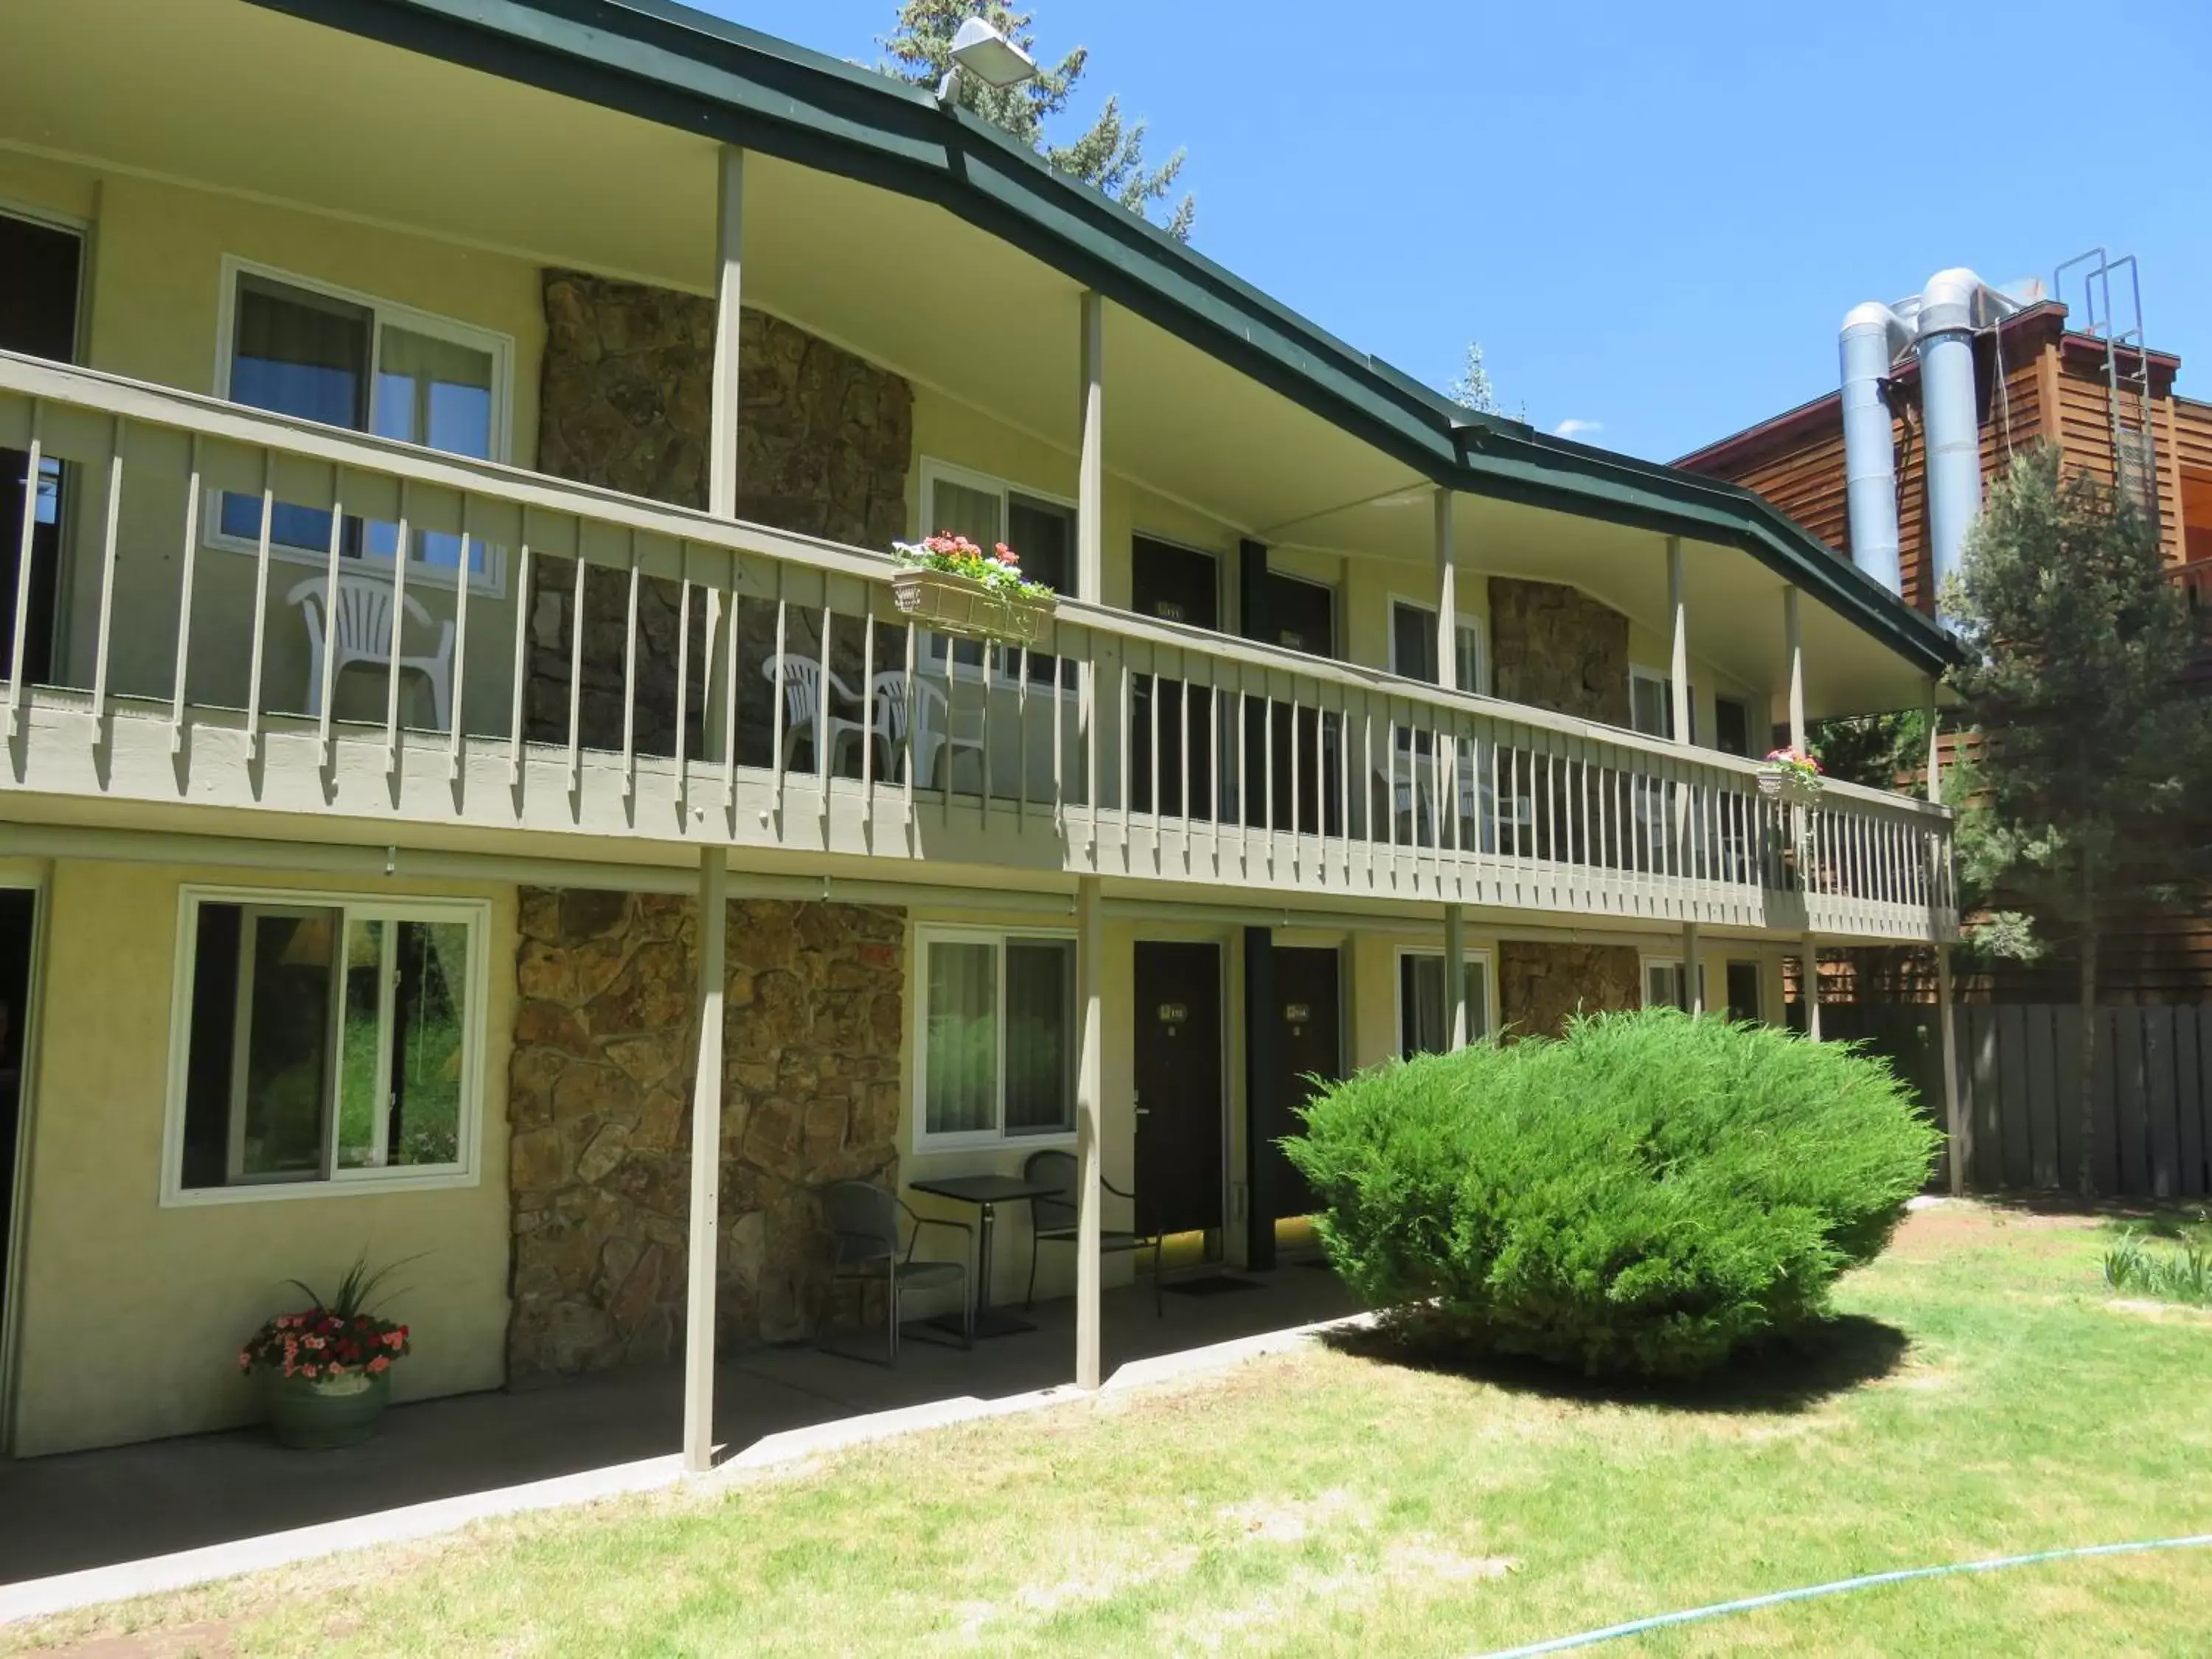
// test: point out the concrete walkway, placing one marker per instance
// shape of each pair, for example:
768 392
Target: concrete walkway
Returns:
90 1509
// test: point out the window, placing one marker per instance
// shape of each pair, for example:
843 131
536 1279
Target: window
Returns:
1413 645
1424 1026
1650 702
351 361
324 1041
1664 985
988 511
1743 991
1731 726
997 1038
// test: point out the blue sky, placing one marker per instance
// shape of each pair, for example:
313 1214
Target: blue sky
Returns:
1653 216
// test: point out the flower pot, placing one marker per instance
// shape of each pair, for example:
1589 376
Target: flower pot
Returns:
317 1413
1788 787
963 606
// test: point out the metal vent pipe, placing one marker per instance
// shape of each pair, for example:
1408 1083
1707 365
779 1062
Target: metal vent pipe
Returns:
1874 338
1951 307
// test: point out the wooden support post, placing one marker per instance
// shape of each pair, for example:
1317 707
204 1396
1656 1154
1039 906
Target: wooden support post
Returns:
1447 598
1455 1032
1090 1082
1263 1089
1809 980
1693 990
1091 467
1961 1149
723 428
1935 751
1678 612
706 1169
1793 635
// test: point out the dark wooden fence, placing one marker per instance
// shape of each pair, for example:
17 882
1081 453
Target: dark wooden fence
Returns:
2151 1136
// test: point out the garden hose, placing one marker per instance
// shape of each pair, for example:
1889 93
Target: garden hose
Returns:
1752 1603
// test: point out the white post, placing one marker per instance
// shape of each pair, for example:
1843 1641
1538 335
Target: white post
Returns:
1962 1146
1090 1082
1693 990
1794 635
1455 1031
1809 979
722 421
1935 751
1447 598
1090 474
1680 668
706 1169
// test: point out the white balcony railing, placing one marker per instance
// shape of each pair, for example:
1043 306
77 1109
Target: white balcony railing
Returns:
619 667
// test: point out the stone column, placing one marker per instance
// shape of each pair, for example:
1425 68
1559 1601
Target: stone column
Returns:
705 1243
1090 1079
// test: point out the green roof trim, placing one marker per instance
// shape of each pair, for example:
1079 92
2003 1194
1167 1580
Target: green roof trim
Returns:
669 64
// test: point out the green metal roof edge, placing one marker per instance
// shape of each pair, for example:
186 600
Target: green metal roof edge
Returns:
670 64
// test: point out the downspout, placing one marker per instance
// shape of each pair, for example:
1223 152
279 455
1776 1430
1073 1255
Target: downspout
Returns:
1953 306
1874 338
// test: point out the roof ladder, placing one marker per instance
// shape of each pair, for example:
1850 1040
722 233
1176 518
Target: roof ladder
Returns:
2127 370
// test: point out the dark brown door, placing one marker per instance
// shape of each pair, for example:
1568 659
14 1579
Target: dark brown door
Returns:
1291 781
37 316
1309 1026
1179 1104
1178 585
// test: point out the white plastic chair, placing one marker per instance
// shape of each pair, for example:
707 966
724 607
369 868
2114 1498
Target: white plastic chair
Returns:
359 631
917 716
802 703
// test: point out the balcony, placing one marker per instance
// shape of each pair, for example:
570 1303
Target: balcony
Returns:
573 662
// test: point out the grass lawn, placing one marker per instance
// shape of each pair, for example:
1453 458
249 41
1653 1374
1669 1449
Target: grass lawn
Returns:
1985 1396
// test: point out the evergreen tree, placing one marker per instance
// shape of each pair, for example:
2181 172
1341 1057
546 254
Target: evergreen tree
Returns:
1472 388
2090 744
1109 156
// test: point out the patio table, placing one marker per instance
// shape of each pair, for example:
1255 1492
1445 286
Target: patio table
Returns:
986 1193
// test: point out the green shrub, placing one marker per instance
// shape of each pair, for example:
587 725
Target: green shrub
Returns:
1648 1194
2183 1275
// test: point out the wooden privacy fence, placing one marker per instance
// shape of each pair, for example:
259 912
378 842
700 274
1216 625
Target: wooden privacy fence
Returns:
2151 1136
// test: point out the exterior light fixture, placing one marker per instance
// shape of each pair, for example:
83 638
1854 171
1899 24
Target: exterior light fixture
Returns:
980 50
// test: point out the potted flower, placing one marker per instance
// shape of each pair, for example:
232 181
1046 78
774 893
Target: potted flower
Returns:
325 1372
1790 776
954 586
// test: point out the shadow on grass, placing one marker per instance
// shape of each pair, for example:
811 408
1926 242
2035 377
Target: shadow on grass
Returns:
2155 1218
1789 1375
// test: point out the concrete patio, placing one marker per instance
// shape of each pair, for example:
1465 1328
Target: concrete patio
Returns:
86 1509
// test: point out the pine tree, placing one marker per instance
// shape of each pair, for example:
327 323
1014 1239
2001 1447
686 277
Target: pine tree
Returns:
1109 156
2090 744
1472 388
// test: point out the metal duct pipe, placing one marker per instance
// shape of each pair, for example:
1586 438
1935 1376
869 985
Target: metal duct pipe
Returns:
1953 306
1874 338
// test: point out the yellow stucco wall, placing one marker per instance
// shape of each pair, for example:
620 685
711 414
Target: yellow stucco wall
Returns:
107 1269
151 309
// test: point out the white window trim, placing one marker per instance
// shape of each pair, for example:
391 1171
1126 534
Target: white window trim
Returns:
1647 960
343 1183
493 582
1482 954
932 470
1467 621
924 1144
1665 681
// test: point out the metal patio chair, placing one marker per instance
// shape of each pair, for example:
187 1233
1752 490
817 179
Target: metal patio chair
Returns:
864 1223
1053 1220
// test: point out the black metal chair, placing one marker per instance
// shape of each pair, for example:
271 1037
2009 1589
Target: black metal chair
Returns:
864 1221
1055 1220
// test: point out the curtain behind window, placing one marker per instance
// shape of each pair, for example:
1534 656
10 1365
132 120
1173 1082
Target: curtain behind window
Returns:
303 354
961 1032
437 393
1039 1035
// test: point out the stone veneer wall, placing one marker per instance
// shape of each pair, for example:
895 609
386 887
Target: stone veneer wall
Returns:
599 1100
1553 646
824 442
1540 985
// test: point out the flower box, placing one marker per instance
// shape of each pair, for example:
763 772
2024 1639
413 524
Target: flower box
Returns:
965 606
1790 787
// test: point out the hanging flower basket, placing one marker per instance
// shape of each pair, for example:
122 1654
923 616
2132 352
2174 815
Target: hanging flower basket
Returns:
952 586
1789 777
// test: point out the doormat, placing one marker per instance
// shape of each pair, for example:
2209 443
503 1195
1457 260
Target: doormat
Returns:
1211 1285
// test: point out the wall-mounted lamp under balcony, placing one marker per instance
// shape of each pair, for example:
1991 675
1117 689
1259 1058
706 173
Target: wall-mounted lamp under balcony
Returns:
980 50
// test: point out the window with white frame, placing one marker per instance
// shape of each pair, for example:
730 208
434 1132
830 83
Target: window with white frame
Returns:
998 1037
1413 645
988 511
1650 702
307 349
1424 1018
1665 985
322 1041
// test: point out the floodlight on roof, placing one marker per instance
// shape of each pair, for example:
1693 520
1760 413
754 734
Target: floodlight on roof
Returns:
980 50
